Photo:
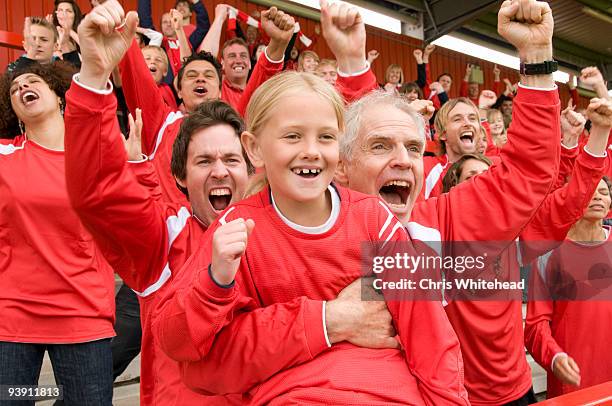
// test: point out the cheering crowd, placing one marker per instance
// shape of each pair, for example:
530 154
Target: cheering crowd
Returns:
232 188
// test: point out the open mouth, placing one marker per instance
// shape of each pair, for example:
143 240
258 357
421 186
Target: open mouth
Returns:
395 192
28 97
467 138
238 68
200 90
153 68
307 172
220 198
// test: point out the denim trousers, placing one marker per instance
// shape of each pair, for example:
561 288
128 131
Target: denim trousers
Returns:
84 370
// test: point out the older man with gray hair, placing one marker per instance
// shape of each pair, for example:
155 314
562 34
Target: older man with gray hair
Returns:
382 154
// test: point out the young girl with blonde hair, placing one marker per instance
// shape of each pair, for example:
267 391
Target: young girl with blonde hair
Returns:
255 298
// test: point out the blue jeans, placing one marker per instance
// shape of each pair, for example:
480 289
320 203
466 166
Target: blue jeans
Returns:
85 370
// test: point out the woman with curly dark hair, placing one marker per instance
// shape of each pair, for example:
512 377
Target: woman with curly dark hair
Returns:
57 289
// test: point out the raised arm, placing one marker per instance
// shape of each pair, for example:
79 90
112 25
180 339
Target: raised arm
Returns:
517 186
279 27
141 92
121 215
144 14
177 24
563 207
344 32
592 76
202 24
213 36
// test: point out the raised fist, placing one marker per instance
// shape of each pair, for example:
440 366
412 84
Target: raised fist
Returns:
591 76
424 108
436 86
228 245
344 32
418 56
528 25
429 49
277 25
487 99
372 55
599 112
221 11
572 125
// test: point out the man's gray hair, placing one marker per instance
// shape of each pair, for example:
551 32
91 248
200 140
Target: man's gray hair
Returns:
352 118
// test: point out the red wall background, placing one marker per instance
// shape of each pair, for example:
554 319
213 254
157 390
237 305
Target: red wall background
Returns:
393 48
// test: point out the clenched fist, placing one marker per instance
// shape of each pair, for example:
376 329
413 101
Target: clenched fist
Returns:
528 25
229 244
279 27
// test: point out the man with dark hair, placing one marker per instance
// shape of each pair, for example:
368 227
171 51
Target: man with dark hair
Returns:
120 202
198 80
236 64
145 233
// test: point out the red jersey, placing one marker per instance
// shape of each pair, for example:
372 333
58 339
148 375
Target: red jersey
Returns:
265 336
435 168
168 95
137 230
581 328
491 331
516 187
162 123
173 50
56 285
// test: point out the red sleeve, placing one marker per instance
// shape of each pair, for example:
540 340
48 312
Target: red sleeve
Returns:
566 165
429 342
123 218
196 313
147 177
141 92
539 340
258 343
497 88
563 207
264 70
354 87
168 96
463 90
509 192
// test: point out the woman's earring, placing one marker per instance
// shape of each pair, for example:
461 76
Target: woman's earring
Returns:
21 127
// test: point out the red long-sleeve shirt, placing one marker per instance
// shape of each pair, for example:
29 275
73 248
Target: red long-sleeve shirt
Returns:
56 285
580 328
491 331
121 204
268 330
515 187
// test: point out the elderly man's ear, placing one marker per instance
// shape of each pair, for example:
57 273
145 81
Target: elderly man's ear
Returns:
341 175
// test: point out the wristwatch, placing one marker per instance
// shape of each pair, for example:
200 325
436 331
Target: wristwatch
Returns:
544 68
